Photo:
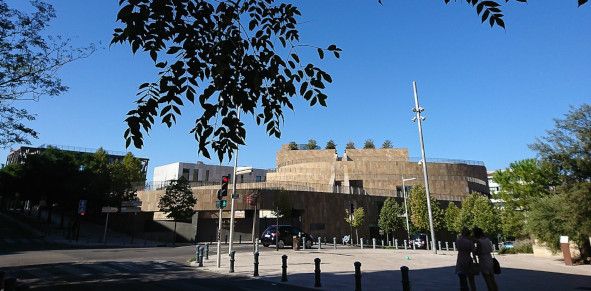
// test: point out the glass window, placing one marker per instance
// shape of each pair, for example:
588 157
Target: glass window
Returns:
259 178
196 175
186 174
206 175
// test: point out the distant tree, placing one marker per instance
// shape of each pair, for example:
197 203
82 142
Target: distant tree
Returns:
350 145
387 144
330 145
283 206
125 176
312 145
293 146
355 220
369 144
178 202
29 61
390 219
451 215
419 215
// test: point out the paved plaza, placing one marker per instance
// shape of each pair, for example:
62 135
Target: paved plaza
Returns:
381 270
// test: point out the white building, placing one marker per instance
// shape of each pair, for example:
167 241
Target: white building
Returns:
202 174
493 186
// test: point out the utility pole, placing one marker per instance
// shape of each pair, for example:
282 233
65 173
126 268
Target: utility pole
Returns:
219 252
234 196
419 119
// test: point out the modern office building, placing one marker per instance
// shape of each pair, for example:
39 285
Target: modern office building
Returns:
202 174
320 186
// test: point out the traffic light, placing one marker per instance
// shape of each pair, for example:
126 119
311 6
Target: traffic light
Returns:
224 189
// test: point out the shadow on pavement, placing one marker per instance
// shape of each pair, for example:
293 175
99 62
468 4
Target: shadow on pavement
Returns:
441 279
127 275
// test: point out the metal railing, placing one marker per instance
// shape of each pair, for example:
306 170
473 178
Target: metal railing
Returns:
386 159
303 187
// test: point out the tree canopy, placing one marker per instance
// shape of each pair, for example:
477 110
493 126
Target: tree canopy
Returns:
178 200
389 219
369 144
29 61
330 145
312 145
387 144
419 215
350 145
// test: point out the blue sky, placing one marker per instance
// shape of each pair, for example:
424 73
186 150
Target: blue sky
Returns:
487 92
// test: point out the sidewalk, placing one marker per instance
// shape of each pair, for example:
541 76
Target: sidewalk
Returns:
381 270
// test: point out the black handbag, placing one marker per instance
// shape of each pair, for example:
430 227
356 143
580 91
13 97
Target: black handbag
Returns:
496 266
474 267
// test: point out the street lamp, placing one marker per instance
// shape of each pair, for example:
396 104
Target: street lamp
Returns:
405 206
419 120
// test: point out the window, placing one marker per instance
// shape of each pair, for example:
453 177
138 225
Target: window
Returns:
259 179
206 175
241 178
186 174
196 175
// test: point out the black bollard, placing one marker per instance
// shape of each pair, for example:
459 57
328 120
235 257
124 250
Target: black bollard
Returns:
256 264
10 284
240 239
357 276
317 272
284 268
232 254
207 251
405 280
226 239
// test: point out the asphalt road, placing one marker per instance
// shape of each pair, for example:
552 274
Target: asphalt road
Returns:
163 268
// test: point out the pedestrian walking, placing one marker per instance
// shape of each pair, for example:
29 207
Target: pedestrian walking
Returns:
464 262
485 260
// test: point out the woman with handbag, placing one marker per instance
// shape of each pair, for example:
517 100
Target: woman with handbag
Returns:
485 260
464 263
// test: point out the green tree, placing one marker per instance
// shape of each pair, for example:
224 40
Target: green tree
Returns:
513 222
330 145
452 212
568 145
125 176
178 202
29 61
419 215
355 220
369 144
390 219
312 145
350 145
387 144
526 181
546 220
283 206
293 146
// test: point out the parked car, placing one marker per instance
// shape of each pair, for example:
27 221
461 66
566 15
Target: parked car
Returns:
286 233
507 245
420 240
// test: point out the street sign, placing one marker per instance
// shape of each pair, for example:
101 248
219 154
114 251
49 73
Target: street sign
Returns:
82 207
131 203
130 209
221 204
109 209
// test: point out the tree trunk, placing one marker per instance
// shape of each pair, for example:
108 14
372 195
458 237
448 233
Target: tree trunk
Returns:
357 235
49 211
388 238
174 234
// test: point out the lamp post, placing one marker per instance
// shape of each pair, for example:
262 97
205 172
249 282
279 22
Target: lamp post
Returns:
405 206
419 119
